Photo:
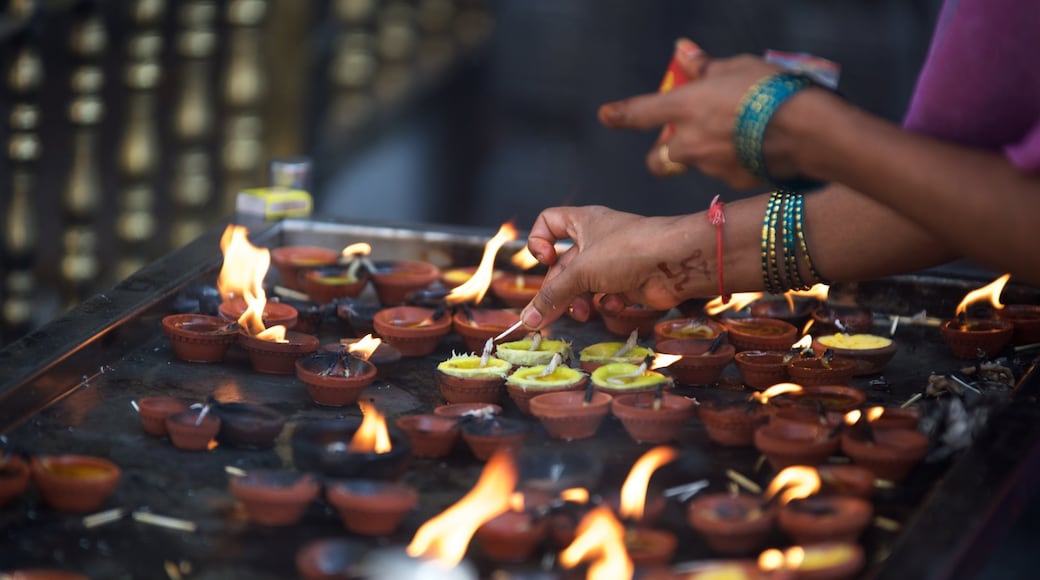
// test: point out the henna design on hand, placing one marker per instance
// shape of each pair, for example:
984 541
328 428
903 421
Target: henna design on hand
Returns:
689 265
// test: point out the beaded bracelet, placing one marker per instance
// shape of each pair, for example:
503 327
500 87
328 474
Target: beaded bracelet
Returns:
770 269
755 111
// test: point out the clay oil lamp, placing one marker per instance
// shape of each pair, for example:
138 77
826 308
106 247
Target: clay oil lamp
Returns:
154 410
382 356
331 559
826 369
558 471
847 479
485 436
626 378
14 477
789 443
345 278
826 561
870 351
831 318
357 317
732 424
445 538
430 435
371 507
198 337
698 329
396 281
271 350
336 379
653 417
243 270
274 497
413 330
768 334
247 425
571 415
645 545
527 382
475 410
836 398
536 350
701 363
513 535
472 378
600 541
795 306
831 518
760 369
452 277
74 483
633 317
517 290
1025 318
731 523
896 418
972 338
194 429
293 262
346 449
596 355
890 453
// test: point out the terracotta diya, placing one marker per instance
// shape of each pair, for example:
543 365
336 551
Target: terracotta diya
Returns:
154 410
293 262
248 425
821 371
731 524
329 448
870 352
821 519
699 329
395 281
430 435
890 453
277 357
371 507
527 382
596 355
848 479
274 497
198 337
652 417
331 559
516 291
971 339
533 351
702 363
633 317
192 430
830 318
760 369
786 444
1025 318
824 561
512 536
334 379
477 325
273 314
413 330
14 478
730 424
624 378
330 283
837 398
458 410
74 483
571 415
472 378
768 334
484 437
797 311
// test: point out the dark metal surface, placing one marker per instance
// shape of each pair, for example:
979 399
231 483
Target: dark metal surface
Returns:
91 364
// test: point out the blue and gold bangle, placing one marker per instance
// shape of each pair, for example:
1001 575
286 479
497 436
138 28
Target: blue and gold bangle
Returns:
770 269
755 111
792 207
799 232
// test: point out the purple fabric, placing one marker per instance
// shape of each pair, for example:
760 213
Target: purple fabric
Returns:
980 85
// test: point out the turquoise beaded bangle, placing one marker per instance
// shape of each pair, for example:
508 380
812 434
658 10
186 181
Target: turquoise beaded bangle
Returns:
755 111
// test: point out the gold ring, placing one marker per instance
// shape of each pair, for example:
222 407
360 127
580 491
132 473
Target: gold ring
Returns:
670 167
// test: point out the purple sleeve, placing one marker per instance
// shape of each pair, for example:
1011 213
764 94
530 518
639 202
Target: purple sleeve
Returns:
980 85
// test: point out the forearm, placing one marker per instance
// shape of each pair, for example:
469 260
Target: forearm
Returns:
973 202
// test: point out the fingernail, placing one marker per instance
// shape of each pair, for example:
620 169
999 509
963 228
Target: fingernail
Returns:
532 318
611 113
687 49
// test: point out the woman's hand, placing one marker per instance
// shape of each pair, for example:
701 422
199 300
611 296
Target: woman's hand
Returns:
629 257
698 118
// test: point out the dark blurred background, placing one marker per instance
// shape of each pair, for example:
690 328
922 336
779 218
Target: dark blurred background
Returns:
131 125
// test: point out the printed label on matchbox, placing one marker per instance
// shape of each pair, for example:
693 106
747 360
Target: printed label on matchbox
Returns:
274 202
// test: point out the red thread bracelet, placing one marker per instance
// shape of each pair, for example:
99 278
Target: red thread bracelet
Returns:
716 218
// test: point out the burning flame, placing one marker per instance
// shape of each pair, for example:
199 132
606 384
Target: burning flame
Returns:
808 325
524 259
818 291
371 436
358 249
772 559
599 537
873 413
795 482
989 292
364 347
475 288
578 495
446 536
736 302
633 491
242 260
803 343
664 360
774 391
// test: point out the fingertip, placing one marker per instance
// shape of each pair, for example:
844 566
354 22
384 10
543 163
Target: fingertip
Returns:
580 310
531 317
610 114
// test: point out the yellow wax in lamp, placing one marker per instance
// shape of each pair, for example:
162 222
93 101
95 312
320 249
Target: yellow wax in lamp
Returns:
343 279
525 353
823 557
469 366
627 376
854 341
603 352
722 572
532 377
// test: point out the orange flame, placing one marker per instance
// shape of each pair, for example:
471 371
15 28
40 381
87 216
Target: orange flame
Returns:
808 325
517 501
736 302
795 482
599 537
446 536
475 288
774 391
803 343
662 360
853 417
633 491
524 259
364 347
989 292
245 265
875 413
371 436
578 495
818 291
772 559
358 249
